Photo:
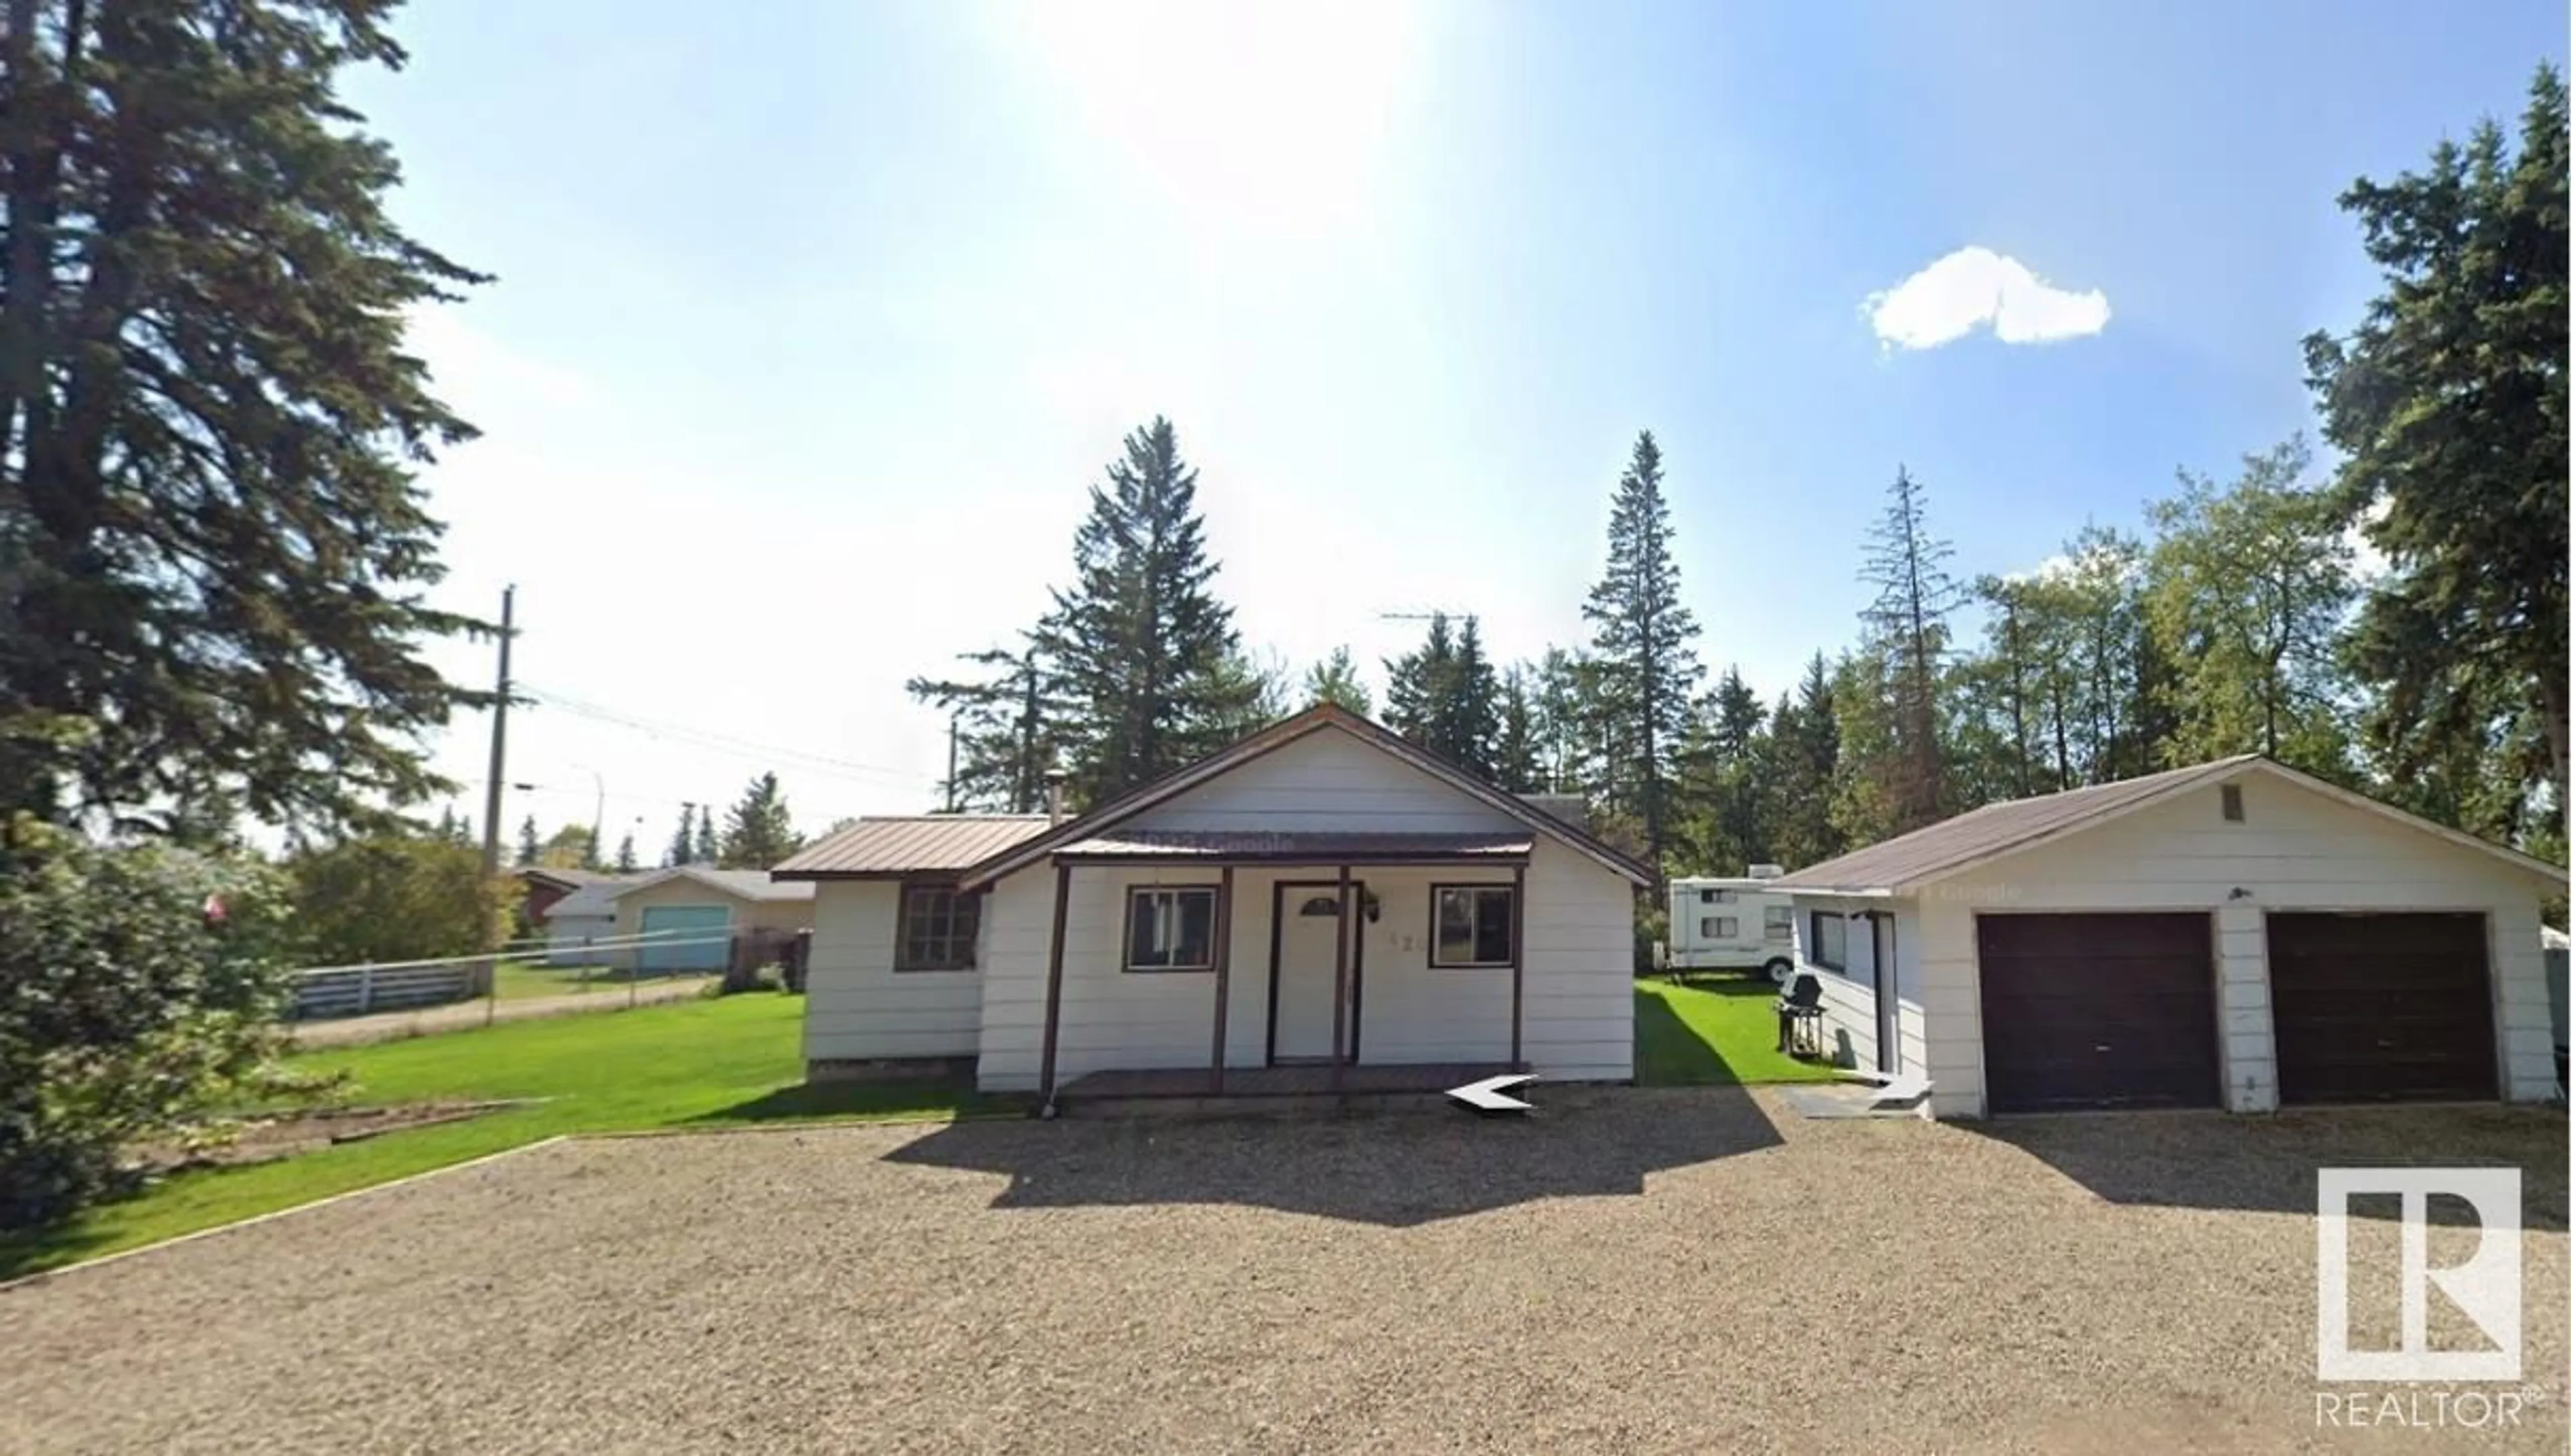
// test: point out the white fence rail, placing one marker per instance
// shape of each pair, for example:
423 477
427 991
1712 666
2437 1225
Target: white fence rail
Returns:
357 990
334 991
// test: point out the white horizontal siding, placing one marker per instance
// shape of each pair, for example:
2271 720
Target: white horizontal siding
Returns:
1578 1016
2293 850
1850 1031
1327 781
857 1007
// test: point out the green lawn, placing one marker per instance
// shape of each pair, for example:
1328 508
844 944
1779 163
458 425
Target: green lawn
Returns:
521 979
711 1063
1720 1030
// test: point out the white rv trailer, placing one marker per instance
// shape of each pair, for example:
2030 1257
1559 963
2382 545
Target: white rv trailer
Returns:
1732 925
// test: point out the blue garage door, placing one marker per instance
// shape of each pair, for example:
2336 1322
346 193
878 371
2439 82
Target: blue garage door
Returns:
686 937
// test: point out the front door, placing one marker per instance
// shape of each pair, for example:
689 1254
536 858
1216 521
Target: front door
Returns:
1307 972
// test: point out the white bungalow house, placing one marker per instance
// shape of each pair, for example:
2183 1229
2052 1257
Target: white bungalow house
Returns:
1318 906
2235 934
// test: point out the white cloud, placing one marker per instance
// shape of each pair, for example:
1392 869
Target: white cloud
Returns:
1974 286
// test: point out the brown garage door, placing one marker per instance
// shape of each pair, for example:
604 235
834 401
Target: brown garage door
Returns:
2382 1008
2098 1011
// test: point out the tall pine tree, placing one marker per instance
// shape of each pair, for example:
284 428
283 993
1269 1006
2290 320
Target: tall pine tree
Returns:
1005 725
1906 630
211 543
757 832
1334 679
1644 642
1444 697
2449 402
1145 654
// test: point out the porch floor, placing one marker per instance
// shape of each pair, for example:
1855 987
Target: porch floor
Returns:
1295 1081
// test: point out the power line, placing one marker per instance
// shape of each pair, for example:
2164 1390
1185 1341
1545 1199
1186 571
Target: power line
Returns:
799 758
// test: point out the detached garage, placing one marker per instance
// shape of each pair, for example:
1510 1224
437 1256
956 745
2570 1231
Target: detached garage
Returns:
2236 934
683 921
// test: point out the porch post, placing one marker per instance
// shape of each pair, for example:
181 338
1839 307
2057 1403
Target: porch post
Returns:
1517 969
1222 969
1340 993
1053 976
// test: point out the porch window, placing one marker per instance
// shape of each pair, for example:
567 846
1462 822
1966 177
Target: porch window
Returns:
1168 929
1475 926
1829 940
937 930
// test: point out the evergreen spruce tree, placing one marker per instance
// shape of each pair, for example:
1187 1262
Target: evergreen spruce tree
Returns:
757 832
1444 697
1644 642
1907 638
683 845
2449 403
1516 756
707 849
1005 725
1138 643
210 535
1805 772
625 860
530 846
1334 679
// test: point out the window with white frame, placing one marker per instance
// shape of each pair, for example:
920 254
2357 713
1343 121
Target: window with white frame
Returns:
1781 922
1713 897
1719 927
1169 928
1473 926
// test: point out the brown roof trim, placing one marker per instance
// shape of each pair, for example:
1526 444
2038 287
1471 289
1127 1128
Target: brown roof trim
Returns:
1266 740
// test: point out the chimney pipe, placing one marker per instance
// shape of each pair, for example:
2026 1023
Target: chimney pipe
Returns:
1053 797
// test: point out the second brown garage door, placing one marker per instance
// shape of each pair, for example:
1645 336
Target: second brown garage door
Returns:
2382 1008
2098 1011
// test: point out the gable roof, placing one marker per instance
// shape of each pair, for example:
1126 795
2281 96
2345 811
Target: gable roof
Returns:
595 899
564 877
1952 846
1266 740
740 884
894 845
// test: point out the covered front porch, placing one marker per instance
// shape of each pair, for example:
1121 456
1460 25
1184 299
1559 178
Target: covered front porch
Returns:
1311 964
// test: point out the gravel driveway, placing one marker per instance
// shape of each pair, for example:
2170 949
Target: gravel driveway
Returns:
1683 1271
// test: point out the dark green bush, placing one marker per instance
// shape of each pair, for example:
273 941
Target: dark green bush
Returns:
127 1011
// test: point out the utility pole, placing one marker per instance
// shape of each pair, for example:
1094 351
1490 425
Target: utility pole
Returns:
499 766
499 739
953 723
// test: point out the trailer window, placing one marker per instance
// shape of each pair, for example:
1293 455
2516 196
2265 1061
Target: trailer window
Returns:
1719 927
1781 922
1713 897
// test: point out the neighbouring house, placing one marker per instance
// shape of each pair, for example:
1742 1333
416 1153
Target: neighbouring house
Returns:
1320 905
2235 934
579 929
684 920
547 886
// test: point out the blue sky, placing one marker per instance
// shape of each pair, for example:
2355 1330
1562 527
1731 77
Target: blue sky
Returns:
814 320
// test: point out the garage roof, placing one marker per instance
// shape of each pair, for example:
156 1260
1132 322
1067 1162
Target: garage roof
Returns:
895 845
1952 846
740 884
